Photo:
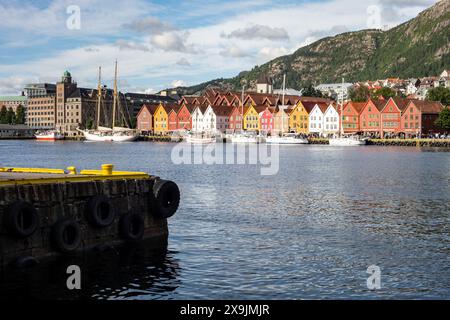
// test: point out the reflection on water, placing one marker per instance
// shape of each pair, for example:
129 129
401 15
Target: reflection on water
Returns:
128 272
310 231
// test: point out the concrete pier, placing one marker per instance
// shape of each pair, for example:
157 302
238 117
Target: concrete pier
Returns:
47 212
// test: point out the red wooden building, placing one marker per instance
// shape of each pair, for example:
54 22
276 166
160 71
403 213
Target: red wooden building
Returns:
350 116
184 117
429 112
391 116
266 120
173 118
370 117
235 122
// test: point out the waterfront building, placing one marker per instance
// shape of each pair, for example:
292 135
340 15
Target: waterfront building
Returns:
13 102
331 120
184 116
370 117
235 121
316 118
298 119
197 118
266 120
160 120
427 113
16 131
217 119
282 119
251 118
391 116
144 118
350 117
41 105
172 118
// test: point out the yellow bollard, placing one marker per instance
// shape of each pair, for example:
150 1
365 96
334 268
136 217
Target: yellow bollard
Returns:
107 169
72 170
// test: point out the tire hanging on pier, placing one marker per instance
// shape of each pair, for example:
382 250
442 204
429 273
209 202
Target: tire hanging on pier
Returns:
66 234
21 219
99 211
166 198
132 226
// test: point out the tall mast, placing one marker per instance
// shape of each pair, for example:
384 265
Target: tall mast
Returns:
114 98
342 107
282 107
99 95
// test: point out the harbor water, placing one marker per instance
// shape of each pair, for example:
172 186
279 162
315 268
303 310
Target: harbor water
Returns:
308 232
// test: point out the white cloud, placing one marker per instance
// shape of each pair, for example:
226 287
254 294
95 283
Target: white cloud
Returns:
234 52
258 31
171 49
130 45
169 41
268 53
183 62
178 83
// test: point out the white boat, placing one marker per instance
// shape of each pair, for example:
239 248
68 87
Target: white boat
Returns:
109 136
51 135
245 138
105 134
199 139
288 139
347 141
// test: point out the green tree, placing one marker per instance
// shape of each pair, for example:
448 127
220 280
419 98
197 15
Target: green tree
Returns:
3 113
443 121
359 94
10 116
310 91
385 92
20 115
440 94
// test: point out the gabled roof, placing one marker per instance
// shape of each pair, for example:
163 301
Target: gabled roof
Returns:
358 106
429 107
151 108
308 105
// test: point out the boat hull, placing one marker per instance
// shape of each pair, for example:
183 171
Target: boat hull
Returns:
109 137
194 140
343 142
53 136
286 141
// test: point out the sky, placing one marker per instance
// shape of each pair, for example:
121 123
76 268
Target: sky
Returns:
161 44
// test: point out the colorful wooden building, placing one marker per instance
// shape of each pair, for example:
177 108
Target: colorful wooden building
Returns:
160 120
370 117
351 112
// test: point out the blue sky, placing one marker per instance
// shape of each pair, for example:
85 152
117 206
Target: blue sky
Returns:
161 44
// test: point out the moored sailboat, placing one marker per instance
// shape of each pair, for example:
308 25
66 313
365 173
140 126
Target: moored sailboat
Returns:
105 134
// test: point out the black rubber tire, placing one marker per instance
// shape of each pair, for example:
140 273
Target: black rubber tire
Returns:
132 227
26 262
21 219
166 198
66 234
100 212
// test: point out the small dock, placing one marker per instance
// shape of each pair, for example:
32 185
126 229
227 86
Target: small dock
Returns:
47 212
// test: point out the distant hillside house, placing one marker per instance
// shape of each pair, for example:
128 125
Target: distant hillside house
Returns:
335 90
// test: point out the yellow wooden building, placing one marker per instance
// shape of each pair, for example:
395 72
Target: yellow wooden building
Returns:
299 117
160 120
251 118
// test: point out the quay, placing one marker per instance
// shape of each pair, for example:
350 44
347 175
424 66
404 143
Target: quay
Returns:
432 143
50 212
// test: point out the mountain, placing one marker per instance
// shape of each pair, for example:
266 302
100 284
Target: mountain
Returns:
417 48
